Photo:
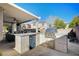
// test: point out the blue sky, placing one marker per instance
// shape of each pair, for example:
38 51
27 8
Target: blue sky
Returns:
65 11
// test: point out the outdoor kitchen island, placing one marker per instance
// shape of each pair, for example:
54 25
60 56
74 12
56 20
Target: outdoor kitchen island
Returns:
25 42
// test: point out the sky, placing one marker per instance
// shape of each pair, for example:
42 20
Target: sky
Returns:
65 11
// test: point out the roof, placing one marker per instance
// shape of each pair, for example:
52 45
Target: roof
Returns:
17 12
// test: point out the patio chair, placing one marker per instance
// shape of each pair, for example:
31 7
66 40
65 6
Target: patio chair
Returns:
10 38
72 36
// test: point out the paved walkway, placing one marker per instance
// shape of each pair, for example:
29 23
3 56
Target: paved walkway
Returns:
73 48
43 51
7 49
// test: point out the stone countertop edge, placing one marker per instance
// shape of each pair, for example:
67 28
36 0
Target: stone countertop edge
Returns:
21 34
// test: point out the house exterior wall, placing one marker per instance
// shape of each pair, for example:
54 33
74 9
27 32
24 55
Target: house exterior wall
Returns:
33 25
8 19
1 24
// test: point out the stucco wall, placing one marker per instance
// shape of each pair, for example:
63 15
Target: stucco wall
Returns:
1 24
21 43
61 44
43 37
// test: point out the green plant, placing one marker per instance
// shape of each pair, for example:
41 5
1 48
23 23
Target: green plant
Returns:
74 21
59 23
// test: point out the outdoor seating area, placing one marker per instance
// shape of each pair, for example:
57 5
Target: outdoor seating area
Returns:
72 37
18 37
13 31
44 49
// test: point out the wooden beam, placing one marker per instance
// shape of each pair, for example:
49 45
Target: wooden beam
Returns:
25 21
7 22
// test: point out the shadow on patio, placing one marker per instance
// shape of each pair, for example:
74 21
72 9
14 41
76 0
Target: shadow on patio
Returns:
7 49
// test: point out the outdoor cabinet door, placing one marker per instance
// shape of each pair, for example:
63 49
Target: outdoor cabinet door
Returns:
32 41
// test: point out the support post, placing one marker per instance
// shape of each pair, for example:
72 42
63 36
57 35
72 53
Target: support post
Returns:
37 34
14 26
36 26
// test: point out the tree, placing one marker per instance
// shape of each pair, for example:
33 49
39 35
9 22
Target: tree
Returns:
50 20
55 21
74 21
58 23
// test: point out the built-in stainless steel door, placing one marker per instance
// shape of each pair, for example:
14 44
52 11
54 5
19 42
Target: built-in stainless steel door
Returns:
32 41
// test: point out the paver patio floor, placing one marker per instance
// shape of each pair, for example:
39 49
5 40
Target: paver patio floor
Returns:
73 48
43 51
7 50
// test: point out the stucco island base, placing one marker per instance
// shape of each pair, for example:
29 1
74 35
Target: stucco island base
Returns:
22 42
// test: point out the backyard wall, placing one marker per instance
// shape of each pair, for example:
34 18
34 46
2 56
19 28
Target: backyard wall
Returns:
61 44
42 38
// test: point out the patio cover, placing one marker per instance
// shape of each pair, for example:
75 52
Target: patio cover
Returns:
14 11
